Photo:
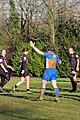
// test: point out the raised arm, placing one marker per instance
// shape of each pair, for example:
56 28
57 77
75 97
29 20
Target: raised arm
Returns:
36 49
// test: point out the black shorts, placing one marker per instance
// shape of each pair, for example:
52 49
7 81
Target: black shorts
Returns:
4 74
73 69
26 73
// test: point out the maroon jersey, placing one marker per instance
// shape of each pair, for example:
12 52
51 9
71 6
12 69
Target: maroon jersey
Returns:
23 62
3 60
73 61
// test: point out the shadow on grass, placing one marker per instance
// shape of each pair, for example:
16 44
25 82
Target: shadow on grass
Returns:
64 89
27 96
14 114
32 89
69 96
15 96
65 94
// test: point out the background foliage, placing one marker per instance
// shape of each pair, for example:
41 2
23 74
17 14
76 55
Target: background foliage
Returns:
53 22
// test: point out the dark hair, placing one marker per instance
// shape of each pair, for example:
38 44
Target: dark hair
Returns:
49 48
24 49
72 47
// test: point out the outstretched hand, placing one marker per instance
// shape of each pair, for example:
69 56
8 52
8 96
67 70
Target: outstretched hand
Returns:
32 44
35 48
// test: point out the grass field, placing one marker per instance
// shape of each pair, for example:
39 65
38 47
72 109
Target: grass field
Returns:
22 106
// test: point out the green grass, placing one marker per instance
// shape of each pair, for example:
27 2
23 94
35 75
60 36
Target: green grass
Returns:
22 106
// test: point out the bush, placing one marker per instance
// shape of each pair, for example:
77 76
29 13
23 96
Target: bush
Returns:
36 61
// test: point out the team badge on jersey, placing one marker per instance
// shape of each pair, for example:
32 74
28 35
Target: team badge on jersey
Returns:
54 56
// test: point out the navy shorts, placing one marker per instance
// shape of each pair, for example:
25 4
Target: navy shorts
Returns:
49 74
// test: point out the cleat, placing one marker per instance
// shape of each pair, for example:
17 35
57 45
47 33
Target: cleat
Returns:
13 88
73 90
28 91
56 100
38 99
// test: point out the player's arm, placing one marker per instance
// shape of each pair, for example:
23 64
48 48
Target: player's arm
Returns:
10 67
36 49
23 63
60 62
2 66
77 68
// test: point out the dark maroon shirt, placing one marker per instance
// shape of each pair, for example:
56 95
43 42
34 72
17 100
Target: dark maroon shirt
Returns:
73 61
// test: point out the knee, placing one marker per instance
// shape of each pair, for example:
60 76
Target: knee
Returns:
55 86
72 75
22 80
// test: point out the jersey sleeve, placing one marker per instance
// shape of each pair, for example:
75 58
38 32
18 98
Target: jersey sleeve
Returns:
1 60
77 57
24 62
47 55
50 56
20 59
58 59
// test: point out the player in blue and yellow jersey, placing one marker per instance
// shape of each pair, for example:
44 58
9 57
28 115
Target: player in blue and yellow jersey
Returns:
50 74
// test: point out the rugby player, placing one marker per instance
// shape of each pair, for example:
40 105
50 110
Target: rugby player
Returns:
4 70
50 74
24 73
74 61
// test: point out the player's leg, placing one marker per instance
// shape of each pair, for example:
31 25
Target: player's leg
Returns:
4 79
43 89
19 83
26 74
73 82
28 84
4 74
45 78
53 82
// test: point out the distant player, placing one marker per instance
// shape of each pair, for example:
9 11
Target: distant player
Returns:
74 61
50 74
24 73
4 70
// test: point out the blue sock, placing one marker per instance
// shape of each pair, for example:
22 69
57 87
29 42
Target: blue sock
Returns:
57 92
43 92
